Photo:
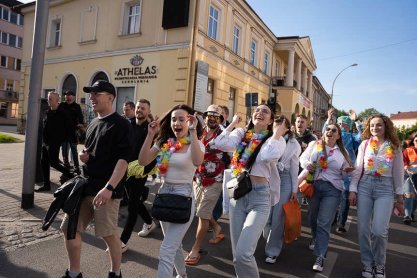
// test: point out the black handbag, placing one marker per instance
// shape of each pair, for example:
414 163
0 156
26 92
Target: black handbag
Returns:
172 208
239 186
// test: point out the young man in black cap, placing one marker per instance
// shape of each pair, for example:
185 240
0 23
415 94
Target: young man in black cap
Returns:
77 122
107 150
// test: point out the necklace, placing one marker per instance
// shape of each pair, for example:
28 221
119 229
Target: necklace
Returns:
322 158
246 147
385 165
166 152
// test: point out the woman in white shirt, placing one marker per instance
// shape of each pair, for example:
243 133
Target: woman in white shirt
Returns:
258 148
330 162
378 176
288 173
179 153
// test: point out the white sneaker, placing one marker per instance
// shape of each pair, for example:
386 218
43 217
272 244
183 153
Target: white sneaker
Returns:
367 272
124 248
318 265
147 229
271 260
380 271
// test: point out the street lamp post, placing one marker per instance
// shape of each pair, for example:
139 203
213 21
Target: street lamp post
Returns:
331 98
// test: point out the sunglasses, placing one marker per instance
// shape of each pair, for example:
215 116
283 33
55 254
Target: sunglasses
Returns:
213 117
334 130
279 119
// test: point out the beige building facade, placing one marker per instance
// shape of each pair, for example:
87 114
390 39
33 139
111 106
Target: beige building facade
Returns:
198 52
11 41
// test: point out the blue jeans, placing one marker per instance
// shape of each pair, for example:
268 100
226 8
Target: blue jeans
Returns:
248 217
274 228
344 203
375 201
322 210
171 252
410 197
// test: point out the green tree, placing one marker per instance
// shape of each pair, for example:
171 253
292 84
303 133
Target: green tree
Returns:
367 112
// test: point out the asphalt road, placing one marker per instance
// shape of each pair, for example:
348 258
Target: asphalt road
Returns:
48 258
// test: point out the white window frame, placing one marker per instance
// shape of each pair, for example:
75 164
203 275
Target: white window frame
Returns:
6 58
6 36
125 28
9 42
8 13
55 41
236 39
211 20
15 62
266 62
20 20
19 42
252 52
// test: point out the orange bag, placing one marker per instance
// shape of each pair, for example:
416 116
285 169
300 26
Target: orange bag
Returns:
306 188
292 225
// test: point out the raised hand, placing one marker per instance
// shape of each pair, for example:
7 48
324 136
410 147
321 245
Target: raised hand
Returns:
352 115
192 121
153 127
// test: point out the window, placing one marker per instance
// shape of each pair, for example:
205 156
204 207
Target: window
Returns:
236 39
70 83
14 110
210 91
5 14
131 19
9 85
133 24
12 40
3 62
3 109
20 20
252 57
213 22
13 17
19 42
266 62
17 64
231 103
55 35
4 37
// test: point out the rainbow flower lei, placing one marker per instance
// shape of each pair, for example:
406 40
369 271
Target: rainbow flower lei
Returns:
386 164
248 145
166 152
322 158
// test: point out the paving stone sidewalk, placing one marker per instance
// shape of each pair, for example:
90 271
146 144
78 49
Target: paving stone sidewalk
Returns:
19 227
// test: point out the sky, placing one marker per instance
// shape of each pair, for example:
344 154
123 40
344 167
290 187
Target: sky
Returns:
379 35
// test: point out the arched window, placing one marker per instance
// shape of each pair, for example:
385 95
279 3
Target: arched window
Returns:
70 83
100 76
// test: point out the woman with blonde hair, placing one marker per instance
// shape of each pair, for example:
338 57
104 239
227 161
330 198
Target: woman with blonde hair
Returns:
330 162
378 177
179 153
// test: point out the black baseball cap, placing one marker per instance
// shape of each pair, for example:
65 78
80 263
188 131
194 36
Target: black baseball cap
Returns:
101 86
69 93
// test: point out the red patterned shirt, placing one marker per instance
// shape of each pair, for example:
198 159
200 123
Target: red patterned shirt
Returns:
211 170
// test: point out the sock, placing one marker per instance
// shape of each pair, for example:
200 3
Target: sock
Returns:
73 274
116 272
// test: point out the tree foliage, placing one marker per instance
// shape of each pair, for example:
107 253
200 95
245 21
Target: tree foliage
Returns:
367 112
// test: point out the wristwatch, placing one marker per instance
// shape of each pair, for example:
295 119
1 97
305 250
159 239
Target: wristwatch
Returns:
110 187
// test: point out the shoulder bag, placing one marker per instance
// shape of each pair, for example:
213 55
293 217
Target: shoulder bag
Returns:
172 208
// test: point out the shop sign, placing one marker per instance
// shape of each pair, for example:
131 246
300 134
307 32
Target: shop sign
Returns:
138 73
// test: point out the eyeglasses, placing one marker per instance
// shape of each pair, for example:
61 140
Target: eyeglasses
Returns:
334 130
263 110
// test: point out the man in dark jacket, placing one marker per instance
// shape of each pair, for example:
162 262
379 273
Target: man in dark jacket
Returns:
77 121
55 131
107 150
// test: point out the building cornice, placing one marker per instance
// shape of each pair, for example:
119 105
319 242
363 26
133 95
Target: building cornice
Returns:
111 53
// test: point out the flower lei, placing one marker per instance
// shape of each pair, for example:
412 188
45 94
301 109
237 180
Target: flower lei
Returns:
248 145
386 164
166 152
322 158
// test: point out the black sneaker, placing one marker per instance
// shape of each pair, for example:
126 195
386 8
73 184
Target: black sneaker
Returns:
68 276
407 220
380 271
113 275
318 265
341 229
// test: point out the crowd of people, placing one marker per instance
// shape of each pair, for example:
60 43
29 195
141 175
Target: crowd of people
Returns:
198 156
